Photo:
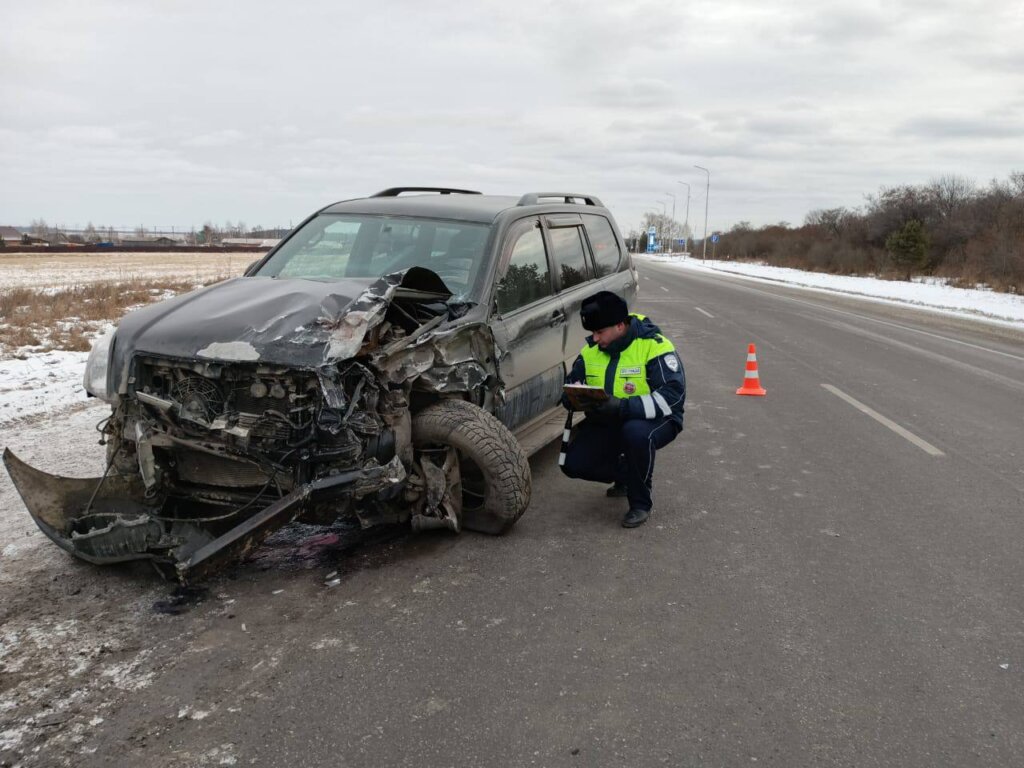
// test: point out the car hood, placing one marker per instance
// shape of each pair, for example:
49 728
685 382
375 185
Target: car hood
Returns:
292 322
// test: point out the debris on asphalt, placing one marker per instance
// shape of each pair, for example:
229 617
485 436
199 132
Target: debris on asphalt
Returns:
180 600
49 721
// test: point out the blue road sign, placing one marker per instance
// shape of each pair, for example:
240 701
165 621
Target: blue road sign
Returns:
714 238
652 230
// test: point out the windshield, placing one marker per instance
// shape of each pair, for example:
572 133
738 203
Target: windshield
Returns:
335 245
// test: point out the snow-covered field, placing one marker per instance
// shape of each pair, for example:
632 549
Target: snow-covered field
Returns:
928 293
35 382
54 270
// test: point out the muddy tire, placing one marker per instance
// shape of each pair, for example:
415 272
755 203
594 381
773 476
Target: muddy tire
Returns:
489 453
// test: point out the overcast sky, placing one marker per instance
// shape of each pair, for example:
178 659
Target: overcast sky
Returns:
173 113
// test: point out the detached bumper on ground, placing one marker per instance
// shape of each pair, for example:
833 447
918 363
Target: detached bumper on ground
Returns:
105 520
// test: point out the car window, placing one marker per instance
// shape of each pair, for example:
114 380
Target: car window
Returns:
569 257
603 244
395 242
334 246
528 277
456 252
325 257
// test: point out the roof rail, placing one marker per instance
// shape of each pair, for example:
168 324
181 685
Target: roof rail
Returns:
569 198
396 191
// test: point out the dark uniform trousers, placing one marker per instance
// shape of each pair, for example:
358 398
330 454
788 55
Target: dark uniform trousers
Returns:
620 451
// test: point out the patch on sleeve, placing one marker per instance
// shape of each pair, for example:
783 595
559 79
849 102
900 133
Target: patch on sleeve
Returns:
672 361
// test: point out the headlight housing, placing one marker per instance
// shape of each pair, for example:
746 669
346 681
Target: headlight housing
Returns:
97 367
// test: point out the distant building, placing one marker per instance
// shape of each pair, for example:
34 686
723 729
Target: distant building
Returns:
10 236
251 242
63 238
136 241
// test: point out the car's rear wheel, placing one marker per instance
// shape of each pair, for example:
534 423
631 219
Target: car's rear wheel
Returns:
494 471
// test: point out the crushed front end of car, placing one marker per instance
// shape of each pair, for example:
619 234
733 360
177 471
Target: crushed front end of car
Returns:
245 405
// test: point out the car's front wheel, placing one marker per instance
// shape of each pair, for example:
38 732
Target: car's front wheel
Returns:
493 470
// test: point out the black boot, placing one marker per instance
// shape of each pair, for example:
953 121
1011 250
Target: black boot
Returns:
616 491
635 517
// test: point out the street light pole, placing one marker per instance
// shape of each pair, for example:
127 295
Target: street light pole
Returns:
661 221
672 229
707 194
686 226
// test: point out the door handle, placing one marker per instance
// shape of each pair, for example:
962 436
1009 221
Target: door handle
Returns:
557 318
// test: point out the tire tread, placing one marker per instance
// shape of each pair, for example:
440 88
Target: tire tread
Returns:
497 452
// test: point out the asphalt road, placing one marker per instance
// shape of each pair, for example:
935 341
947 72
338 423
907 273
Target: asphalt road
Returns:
833 575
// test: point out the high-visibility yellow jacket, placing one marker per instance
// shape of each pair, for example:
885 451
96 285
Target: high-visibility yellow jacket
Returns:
642 369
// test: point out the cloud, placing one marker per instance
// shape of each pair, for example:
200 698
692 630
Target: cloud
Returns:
222 110
959 127
633 92
222 138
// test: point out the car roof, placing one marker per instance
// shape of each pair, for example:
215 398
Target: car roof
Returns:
462 205
479 208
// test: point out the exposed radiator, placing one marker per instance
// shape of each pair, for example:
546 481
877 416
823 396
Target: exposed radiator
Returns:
208 469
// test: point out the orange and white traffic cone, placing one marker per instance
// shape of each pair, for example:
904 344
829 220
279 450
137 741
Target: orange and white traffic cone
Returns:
751 382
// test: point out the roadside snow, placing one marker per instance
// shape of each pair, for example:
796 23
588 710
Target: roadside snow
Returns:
928 293
41 383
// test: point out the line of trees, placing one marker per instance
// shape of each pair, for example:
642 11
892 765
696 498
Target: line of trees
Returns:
949 228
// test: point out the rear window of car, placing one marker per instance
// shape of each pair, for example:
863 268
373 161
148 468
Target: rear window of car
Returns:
569 256
603 244
333 246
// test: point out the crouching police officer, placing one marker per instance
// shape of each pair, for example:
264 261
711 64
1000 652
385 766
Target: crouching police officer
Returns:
638 367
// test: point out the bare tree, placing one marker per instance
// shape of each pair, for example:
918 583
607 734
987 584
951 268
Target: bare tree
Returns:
829 220
948 194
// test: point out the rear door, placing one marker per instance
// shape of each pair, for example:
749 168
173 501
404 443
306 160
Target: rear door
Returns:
589 257
574 275
612 266
528 324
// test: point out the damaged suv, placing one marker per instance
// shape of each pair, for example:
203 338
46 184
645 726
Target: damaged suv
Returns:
395 359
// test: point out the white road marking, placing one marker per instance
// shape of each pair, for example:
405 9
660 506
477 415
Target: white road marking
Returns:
705 313
915 330
915 349
663 288
924 445
646 277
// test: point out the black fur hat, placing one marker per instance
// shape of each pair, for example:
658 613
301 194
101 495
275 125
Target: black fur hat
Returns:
603 310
